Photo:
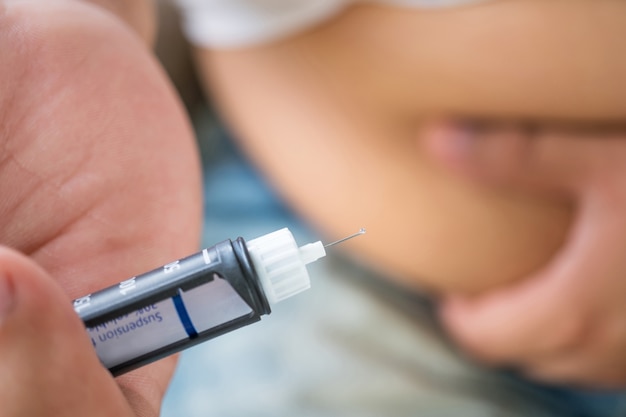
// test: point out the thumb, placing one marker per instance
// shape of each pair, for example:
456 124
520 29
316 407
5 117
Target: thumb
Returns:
513 154
47 363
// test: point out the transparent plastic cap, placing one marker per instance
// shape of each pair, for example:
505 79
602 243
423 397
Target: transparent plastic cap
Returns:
281 264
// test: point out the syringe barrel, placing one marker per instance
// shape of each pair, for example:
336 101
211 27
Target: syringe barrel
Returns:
173 307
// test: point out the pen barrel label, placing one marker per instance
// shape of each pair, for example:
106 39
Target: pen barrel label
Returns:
158 325
137 333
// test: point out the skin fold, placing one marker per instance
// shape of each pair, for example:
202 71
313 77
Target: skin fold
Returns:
334 117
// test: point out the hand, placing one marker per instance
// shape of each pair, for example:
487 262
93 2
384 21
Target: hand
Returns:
48 366
566 323
99 172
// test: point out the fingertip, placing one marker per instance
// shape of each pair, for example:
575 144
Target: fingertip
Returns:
452 308
15 272
7 296
457 317
25 278
476 327
32 305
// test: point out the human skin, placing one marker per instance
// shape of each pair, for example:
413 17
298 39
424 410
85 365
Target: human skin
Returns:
332 116
99 177
568 316
138 15
48 364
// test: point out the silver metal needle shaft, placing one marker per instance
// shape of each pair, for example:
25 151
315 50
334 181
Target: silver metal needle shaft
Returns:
360 232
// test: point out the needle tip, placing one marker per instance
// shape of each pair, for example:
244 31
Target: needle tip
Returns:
360 232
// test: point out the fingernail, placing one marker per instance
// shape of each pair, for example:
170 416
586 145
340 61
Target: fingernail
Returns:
7 296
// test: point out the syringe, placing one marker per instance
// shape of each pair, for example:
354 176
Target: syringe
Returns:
191 300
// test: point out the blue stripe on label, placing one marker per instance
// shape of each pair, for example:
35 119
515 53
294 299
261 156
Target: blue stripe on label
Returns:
184 316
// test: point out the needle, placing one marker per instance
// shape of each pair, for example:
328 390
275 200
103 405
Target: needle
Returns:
360 232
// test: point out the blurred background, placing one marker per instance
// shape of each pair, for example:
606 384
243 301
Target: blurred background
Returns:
353 345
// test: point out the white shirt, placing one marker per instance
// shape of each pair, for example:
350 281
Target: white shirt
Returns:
237 23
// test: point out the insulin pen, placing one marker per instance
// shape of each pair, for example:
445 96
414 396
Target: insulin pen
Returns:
191 300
